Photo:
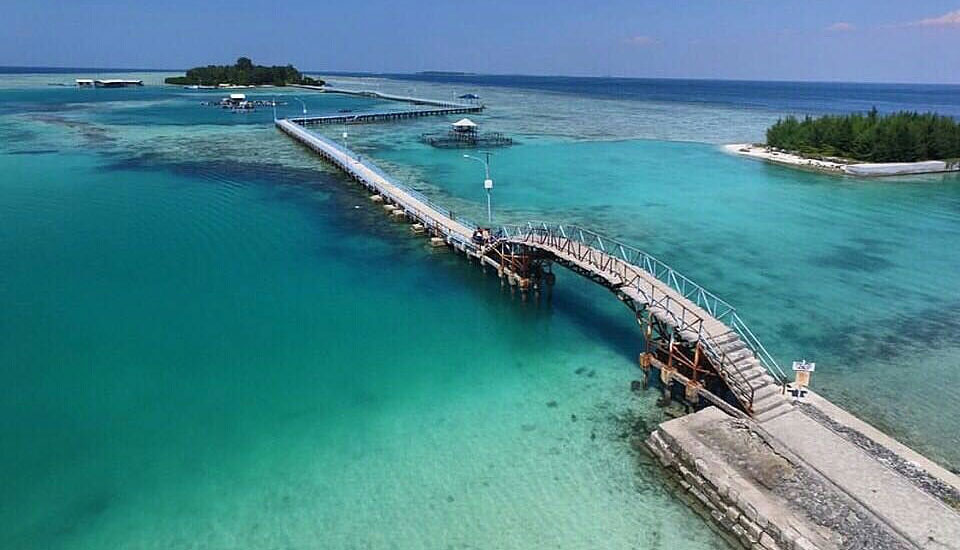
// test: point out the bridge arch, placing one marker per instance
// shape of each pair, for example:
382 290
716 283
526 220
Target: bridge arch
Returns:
692 337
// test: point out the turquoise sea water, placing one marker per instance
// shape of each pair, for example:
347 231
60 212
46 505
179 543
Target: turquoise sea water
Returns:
210 341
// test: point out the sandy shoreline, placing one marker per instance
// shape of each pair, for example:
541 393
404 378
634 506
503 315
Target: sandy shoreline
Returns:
839 166
761 152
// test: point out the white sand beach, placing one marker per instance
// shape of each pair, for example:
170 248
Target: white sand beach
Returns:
763 152
839 166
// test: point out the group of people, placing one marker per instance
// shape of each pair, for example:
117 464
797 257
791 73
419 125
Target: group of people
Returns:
482 236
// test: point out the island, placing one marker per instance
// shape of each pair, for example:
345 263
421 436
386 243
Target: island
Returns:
243 73
862 144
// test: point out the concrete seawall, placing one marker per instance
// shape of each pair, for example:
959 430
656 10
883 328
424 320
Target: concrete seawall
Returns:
754 487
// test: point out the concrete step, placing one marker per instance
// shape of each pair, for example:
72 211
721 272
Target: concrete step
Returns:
740 354
746 363
769 403
726 338
762 392
732 346
770 414
752 373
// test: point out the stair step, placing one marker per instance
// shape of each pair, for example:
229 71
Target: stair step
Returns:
770 414
726 338
762 392
752 373
743 365
769 403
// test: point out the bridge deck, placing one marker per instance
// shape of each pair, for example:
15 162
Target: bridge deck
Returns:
386 96
383 116
413 203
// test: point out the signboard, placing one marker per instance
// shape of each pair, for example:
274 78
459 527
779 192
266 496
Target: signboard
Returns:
802 377
803 366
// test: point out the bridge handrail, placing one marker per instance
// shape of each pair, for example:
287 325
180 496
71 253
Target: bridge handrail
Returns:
711 303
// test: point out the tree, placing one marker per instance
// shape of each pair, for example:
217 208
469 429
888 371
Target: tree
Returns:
896 137
244 72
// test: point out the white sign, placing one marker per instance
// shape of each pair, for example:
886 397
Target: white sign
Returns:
803 366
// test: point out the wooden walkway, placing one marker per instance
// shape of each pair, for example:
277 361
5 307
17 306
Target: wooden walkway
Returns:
456 231
386 96
697 315
385 116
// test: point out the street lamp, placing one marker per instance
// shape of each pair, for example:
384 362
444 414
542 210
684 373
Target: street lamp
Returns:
304 110
274 108
487 182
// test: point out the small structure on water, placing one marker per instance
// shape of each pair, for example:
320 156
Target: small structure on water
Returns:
465 133
108 83
238 103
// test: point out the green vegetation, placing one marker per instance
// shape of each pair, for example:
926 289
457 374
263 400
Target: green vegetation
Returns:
898 137
244 73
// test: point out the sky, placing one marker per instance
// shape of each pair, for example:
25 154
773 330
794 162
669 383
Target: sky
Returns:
840 40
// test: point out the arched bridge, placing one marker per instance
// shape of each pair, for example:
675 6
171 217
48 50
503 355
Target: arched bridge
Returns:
691 334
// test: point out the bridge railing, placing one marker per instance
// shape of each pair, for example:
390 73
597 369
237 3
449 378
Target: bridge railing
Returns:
715 306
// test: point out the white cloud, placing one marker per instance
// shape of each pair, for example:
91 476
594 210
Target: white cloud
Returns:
841 26
951 19
642 40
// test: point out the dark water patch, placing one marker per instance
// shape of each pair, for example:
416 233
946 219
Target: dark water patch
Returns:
896 338
11 134
94 135
33 151
63 523
607 321
862 256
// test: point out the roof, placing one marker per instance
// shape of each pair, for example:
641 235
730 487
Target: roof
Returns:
469 96
464 123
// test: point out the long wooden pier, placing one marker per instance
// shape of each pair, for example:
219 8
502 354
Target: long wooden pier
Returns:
773 471
382 95
385 116
442 108
444 224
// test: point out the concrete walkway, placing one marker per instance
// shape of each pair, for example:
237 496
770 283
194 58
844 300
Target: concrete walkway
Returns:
906 508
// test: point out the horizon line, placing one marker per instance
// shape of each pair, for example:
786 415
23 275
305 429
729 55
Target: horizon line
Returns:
468 74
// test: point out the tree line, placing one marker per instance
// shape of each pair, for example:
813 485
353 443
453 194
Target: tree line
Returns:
897 137
243 73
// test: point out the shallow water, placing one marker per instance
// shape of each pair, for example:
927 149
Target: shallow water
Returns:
211 341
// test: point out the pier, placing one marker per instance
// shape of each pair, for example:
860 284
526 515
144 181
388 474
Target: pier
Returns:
770 466
389 97
386 116
441 108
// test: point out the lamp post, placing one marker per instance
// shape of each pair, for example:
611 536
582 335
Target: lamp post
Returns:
304 120
274 108
487 182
